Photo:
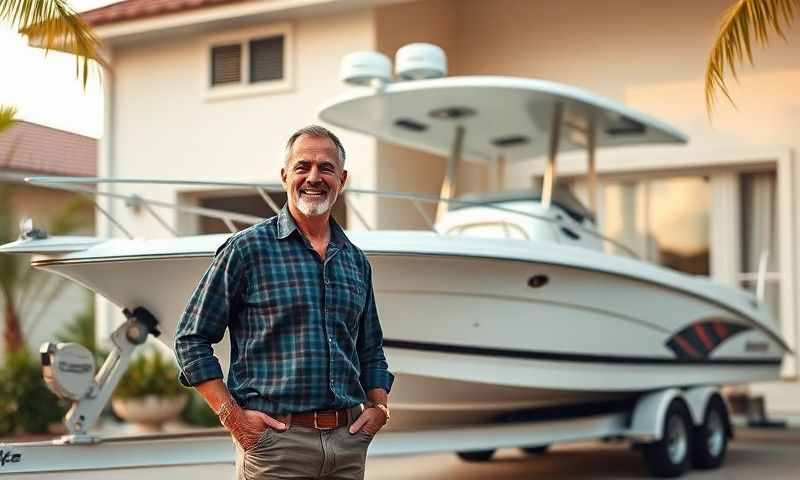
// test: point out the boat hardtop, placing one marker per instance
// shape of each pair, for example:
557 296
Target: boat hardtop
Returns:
508 116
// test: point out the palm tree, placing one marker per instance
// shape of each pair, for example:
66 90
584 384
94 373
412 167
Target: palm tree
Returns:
54 25
745 19
25 293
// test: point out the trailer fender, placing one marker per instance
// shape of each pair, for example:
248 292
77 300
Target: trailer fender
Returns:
647 422
697 399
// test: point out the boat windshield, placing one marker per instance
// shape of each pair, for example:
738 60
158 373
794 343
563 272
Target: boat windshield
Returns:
562 197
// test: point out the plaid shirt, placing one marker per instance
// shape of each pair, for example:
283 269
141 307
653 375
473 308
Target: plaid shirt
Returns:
304 332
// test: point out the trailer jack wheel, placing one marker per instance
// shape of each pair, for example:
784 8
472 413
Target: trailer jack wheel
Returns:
710 441
476 455
670 456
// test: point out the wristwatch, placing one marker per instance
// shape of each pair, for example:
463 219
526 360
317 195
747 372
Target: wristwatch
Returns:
383 408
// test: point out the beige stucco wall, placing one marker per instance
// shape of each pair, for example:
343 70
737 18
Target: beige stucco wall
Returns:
651 56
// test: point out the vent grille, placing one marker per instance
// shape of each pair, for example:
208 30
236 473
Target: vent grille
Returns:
226 64
266 59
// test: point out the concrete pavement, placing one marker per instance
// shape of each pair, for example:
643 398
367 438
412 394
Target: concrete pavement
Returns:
754 454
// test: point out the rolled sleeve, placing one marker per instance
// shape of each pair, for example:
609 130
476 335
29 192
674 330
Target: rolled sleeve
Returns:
374 368
199 371
207 315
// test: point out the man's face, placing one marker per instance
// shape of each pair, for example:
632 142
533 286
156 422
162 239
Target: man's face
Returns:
313 177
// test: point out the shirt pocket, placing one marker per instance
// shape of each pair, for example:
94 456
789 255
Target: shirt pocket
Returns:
349 299
260 309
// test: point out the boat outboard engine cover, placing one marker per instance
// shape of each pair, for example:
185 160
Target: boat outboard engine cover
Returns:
68 369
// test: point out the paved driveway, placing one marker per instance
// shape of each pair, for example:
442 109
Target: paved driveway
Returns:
755 454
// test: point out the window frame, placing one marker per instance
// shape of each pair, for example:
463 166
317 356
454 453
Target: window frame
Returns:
244 87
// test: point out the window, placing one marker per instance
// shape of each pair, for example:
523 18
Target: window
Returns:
665 221
249 62
759 225
226 64
266 59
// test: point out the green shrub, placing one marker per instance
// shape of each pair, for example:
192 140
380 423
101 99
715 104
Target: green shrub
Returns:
26 404
149 374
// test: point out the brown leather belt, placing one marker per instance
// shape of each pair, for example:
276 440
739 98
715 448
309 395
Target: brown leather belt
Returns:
322 419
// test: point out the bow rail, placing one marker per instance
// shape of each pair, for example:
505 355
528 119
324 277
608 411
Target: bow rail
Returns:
79 185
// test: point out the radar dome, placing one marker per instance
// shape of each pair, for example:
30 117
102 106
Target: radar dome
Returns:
365 68
418 61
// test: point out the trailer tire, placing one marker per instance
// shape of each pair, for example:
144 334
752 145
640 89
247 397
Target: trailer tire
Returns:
670 456
710 442
535 450
476 455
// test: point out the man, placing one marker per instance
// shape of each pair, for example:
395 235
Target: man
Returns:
308 382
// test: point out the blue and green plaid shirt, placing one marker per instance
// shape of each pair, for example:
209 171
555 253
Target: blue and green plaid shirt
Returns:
304 332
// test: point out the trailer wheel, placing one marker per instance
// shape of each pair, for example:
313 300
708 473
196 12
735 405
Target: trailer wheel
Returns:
537 450
476 455
710 442
669 457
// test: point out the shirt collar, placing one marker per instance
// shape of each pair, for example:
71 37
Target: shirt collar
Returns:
287 225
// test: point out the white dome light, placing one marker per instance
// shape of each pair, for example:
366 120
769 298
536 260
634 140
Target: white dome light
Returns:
417 61
365 68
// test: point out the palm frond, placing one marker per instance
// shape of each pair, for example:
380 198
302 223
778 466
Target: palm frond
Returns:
743 21
54 25
7 117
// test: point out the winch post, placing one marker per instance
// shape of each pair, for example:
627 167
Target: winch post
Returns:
84 412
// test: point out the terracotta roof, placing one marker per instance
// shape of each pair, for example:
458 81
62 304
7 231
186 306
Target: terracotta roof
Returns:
30 147
136 9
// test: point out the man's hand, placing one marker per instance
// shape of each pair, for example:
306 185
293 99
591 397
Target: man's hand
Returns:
371 421
246 426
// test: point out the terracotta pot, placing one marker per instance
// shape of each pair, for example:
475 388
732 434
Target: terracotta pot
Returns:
150 412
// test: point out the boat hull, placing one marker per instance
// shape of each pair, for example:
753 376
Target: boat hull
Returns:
471 339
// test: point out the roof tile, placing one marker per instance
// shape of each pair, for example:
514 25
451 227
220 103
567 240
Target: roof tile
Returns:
136 9
30 147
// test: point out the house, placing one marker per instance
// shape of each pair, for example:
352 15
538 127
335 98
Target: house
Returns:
29 149
211 89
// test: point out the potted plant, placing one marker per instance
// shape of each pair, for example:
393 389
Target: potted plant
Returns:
149 394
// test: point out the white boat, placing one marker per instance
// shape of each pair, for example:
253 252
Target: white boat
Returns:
510 304
467 331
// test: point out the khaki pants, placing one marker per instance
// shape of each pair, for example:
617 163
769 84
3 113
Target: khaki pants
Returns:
304 453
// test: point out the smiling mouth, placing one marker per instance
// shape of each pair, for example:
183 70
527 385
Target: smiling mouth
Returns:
313 193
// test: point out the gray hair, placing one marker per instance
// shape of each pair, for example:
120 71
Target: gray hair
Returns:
315 131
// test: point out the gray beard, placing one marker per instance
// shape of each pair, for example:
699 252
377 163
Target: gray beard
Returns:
311 208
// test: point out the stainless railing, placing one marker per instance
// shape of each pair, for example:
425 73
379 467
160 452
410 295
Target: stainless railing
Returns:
80 185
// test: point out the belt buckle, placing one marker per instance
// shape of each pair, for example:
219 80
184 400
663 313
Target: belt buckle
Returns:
316 423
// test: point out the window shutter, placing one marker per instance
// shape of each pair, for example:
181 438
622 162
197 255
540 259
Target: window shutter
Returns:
226 64
266 59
